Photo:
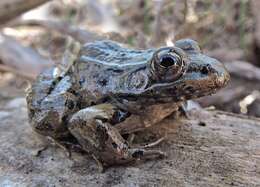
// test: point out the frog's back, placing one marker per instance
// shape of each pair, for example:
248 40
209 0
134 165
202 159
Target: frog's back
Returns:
113 54
102 67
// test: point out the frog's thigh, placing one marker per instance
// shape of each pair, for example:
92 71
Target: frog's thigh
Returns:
151 116
91 127
83 124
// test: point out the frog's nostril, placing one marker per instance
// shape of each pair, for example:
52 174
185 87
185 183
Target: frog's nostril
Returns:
205 70
222 79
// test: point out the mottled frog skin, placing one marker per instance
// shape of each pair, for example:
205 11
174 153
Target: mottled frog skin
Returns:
111 90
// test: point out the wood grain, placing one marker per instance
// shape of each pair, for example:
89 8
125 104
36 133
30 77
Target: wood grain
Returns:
211 148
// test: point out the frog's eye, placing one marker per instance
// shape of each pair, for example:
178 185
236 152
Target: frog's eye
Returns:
168 64
170 61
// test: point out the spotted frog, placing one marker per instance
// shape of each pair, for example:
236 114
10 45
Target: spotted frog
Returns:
111 92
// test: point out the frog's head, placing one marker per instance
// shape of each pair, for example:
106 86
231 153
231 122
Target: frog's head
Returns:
182 72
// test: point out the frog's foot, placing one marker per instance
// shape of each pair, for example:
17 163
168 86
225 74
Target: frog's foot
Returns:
131 138
123 150
144 154
101 167
183 110
38 152
61 145
118 151
152 144
98 137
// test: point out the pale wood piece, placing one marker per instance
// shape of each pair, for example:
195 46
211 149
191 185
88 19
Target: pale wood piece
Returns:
10 9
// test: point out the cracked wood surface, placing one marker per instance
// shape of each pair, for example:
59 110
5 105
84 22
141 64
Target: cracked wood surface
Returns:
211 148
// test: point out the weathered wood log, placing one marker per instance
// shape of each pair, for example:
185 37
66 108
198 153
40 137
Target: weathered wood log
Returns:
81 35
224 97
255 5
10 9
244 70
211 148
20 59
227 55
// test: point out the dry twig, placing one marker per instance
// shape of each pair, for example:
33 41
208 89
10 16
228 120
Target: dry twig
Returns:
10 9
19 59
81 35
244 70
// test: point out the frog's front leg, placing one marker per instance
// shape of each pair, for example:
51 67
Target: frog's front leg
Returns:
92 128
147 118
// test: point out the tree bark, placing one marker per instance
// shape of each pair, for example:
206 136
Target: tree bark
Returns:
211 148
255 5
10 9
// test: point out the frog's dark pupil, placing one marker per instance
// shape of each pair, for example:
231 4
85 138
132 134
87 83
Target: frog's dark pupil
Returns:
167 61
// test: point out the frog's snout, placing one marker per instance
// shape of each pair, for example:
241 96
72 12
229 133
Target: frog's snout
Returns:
223 79
222 75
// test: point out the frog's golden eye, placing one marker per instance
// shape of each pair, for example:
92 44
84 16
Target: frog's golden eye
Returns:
168 64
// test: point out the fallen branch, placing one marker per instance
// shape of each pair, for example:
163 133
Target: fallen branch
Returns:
17 58
81 35
255 5
244 70
29 61
223 97
227 55
17 72
10 9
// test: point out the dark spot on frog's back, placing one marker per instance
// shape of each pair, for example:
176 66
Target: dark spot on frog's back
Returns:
70 104
189 88
82 80
115 70
102 82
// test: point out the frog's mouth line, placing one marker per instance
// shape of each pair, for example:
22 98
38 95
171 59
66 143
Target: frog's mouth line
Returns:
193 84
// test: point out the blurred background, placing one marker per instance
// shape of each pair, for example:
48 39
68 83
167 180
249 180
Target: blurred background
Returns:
32 39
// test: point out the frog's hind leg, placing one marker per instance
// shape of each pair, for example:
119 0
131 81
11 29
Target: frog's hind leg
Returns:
152 144
91 127
132 137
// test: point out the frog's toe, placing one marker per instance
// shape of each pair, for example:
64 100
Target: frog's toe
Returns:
155 143
143 154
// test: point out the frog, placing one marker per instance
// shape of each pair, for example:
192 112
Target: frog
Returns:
112 91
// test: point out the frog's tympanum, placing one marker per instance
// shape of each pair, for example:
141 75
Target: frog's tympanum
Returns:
110 92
